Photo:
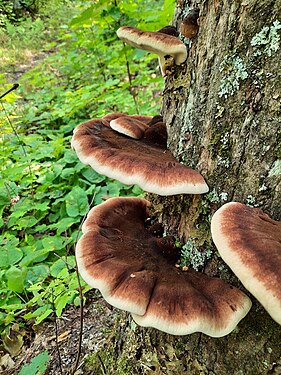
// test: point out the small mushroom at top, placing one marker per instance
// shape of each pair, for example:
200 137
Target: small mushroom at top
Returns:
136 272
170 49
249 241
145 162
189 26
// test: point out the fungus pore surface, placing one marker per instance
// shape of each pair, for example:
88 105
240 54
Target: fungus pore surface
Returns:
136 272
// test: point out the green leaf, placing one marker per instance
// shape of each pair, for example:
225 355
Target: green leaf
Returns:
60 302
34 256
60 264
76 202
65 223
137 190
9 252
85 17
37 366
67 172
92 176
53 243
15 278
4 199
36 273
40 314
25 222
42 317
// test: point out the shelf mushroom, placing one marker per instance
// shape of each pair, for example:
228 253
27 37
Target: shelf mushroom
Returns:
169 48
189 26
129 126
145 162
249 241
136 272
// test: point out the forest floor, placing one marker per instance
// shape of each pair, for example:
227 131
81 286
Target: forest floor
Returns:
61 336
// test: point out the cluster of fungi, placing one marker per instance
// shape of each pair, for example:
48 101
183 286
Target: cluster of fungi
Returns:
132 266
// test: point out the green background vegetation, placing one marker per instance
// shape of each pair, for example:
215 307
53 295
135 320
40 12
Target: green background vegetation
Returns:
71 67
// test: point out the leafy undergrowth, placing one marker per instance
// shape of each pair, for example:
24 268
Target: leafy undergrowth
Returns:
44 190
24 35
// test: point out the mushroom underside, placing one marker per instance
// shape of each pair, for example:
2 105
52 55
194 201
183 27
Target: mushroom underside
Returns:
119 256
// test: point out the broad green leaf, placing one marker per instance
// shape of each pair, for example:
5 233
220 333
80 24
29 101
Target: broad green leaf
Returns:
37 366
65 223
36 273
9 252
67 172
92 176
85 17
61 301
61 264
25 222
45 310
70 157
15 278
53 243
4 198
76 202
34 256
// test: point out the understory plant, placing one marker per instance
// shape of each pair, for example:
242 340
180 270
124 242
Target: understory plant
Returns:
45 191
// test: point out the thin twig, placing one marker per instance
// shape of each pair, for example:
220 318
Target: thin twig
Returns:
81 319
64 260
57 334
102 364
15 86
81 297
132 92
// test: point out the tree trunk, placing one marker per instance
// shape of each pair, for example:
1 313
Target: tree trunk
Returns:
221 109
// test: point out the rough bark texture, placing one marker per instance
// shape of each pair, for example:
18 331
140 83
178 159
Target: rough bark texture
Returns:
222 110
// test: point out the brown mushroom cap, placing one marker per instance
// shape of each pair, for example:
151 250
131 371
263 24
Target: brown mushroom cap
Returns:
141 162
162 44
249 241
119 256
189 26
112 116
170 30
132 127
142 118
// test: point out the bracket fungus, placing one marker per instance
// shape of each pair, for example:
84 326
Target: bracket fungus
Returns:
132 127
249 241
136 272
145 162
169 48
189 25
169 30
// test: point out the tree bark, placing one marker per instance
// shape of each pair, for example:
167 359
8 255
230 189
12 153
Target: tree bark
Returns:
221 109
